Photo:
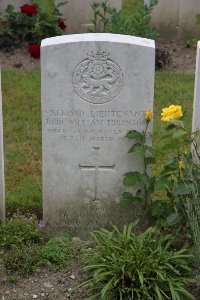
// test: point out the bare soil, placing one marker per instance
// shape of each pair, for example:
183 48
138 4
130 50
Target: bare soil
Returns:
47 284
17 58
181 57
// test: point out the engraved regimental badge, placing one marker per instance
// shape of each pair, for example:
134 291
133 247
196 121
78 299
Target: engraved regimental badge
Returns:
98 79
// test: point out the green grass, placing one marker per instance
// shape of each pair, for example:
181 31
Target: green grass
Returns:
172 88
22 138
22 128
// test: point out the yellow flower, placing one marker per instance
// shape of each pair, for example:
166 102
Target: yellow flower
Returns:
171 112
148 116
181 164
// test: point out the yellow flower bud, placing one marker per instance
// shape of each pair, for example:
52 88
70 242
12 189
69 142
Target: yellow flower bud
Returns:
148 116
185 151
171 112
181 164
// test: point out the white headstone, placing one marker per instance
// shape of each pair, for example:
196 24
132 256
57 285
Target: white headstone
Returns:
95 88
196 104
2 182
176 18
15 3
79 14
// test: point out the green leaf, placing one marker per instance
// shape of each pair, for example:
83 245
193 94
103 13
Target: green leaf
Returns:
133 178
173 219
179 134
167 135
134 134
158 292
141 278
46 6
186 293
162 183
170 146
160 208
175 123
173 293
145 178
128 198
106 288
151 150
138 149
9 9
150 160
181 189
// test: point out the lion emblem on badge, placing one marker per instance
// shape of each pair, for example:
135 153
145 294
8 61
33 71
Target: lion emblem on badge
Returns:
98 79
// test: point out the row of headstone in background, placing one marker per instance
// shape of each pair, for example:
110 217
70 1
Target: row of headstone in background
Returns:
95 88
2 182
78 13
176 18
15 3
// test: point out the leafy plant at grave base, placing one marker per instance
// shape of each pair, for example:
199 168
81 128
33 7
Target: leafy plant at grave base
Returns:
23 259
144 266
162 58
186 178
26 258
192 43
147 155
20 231
33 23
178 182
20 245
114 21
57 251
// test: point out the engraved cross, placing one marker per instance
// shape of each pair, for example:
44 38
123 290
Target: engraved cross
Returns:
96 168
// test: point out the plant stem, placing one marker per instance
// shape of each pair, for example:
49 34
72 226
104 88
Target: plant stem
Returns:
145 166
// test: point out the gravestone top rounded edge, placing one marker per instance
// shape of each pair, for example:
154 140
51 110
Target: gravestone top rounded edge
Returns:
98 37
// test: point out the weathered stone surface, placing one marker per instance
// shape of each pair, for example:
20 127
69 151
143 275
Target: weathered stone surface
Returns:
95 88
15 3
196 104
78 14
175 18
2 182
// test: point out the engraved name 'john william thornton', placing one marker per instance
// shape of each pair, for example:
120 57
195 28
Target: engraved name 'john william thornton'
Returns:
98 79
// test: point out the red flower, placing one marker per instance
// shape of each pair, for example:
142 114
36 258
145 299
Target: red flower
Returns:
34 50
62 24
30 10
